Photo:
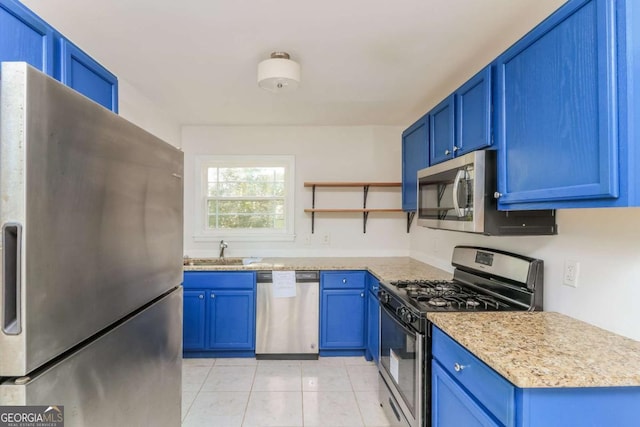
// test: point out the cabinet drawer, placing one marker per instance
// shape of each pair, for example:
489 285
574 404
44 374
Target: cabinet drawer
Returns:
490 389
219 280
342 279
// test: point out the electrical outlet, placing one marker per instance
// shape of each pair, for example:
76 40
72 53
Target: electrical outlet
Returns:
326 239
571 273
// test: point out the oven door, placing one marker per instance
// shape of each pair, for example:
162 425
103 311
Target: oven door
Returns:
401 365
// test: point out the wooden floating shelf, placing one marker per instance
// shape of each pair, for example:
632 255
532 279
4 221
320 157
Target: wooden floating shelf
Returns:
353 210
353 184
364 211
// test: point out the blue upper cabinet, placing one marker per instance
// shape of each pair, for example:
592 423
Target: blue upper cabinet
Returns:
566 110
84 74
474 114
463 121
415 156
442 131
25 37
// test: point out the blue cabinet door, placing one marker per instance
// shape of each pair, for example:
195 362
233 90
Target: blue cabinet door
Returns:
442 131
342 314
557 115
84 74
25 37
473 114
451 405
415 156
231 320
193 325
373 320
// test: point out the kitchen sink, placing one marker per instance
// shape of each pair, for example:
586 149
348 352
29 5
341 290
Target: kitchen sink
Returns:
213 261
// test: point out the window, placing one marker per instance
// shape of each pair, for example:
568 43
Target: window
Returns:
245 197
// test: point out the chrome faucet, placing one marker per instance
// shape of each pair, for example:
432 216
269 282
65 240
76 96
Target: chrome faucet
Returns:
223 246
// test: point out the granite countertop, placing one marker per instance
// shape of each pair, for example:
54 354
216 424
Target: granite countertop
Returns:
545 349
384 268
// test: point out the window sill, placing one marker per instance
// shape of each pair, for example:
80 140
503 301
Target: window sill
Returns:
244 237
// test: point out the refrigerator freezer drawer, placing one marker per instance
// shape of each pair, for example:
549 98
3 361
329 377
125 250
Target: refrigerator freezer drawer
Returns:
92 210
130 376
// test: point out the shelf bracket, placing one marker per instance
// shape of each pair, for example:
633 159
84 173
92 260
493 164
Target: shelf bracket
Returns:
366 192
410 216
365 216
313 206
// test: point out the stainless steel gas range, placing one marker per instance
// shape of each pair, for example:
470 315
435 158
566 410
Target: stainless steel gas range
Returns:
484 280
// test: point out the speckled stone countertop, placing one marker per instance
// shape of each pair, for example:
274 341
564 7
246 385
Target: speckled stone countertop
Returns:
384 268
545 349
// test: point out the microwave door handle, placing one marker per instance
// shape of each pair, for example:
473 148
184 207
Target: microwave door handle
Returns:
456 185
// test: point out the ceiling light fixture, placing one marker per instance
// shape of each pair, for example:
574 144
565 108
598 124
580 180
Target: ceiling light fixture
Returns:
278 73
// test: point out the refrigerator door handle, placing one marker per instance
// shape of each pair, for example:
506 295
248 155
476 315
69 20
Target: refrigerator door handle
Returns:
11 272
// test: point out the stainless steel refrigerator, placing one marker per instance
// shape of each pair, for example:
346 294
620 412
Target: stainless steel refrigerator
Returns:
91 211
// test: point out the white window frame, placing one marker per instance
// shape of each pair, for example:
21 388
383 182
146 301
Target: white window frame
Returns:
204 234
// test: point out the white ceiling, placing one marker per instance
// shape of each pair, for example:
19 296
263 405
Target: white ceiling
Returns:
363 61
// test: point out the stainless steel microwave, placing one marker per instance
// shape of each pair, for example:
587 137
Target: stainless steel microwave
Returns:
459 195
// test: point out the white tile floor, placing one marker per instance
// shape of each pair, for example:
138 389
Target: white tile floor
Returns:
331 391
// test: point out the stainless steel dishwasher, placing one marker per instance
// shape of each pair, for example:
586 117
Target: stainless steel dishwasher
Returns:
287 327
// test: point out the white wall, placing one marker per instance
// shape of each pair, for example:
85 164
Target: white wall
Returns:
138 109
327 153
606 242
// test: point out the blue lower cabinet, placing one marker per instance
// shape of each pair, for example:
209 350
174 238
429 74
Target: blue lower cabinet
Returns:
373 319
219 314
343 313
467 392
231 320
193 325
454 407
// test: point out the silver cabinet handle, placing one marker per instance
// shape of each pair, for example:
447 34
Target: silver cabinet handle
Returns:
362 294
201 296
447 152
458 367
455 148
344 281
497 195
213 295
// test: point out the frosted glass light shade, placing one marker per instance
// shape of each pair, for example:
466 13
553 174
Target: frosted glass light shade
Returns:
278 74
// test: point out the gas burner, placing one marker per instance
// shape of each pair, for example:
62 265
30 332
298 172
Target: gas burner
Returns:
443 287
472 303
402 283
488 301
412 288
437 302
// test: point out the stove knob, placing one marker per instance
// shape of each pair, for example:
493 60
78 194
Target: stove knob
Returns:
408 317
401 312
383 296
